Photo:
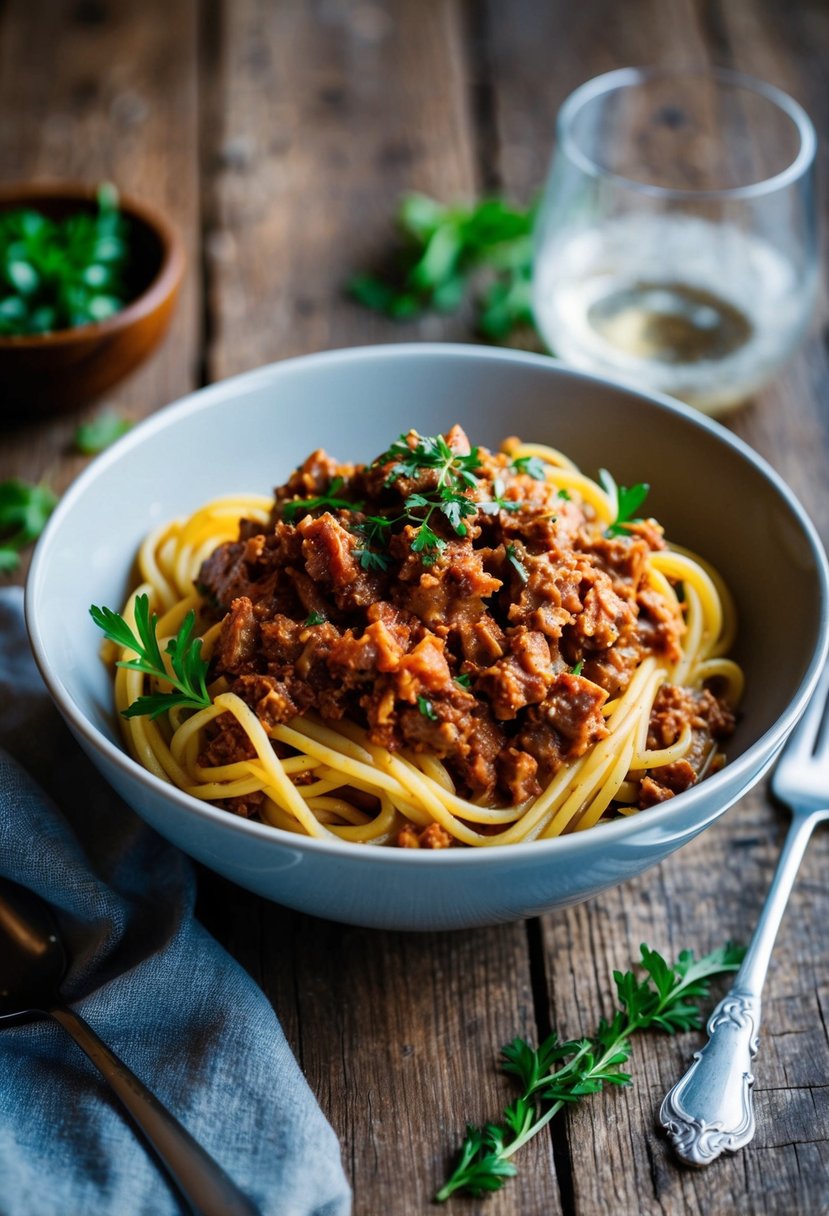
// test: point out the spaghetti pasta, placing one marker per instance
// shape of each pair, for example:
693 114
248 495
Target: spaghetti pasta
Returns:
361 622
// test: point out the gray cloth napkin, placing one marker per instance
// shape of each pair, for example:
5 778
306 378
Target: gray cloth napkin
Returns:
154 985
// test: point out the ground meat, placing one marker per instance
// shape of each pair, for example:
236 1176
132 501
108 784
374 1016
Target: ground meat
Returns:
466 645
675 708
431 837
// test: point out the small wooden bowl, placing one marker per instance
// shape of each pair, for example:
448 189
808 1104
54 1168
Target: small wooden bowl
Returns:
44 373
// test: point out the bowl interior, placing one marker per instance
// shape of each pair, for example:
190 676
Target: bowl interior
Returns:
711 494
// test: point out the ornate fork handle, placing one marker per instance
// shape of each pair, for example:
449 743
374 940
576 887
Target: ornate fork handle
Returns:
710 1110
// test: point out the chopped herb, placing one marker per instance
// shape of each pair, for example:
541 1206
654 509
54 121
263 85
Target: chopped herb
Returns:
446 251
515 562
314 618
189 669
560 1072
328 501
58 274
465 680
456 475
24 510
370 559
455 469
626 501
427 709
563 493
533 466
498 502
93 437
577 670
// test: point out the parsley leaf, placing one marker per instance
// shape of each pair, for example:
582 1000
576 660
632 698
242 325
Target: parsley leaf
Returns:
189 669
410 455
626 500
578 668
93 437
560 1072
515 562
427 709
314 618
498 502
24 510
295 507
465 680
532 466
370 559
448 251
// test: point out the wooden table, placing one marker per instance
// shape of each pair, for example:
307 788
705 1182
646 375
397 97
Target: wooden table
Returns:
278 136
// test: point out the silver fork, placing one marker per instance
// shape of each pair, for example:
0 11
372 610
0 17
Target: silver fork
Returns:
711 1110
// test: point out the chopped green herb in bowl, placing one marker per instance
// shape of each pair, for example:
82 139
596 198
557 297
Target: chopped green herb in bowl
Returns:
88 282
64 272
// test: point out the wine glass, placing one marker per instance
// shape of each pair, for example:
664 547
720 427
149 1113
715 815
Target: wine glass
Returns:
676 244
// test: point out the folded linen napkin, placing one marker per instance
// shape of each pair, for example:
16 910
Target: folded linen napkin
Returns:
154 985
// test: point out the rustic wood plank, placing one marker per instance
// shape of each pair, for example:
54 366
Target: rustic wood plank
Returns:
715 887
119 103
328 112
331 112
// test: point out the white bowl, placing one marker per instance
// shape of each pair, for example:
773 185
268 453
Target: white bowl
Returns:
712 493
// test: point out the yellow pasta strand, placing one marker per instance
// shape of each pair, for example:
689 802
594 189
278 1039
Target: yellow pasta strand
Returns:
337 765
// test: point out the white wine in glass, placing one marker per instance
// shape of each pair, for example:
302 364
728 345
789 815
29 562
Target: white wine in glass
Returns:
676 245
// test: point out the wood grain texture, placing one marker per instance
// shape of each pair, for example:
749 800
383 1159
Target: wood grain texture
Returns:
714 888
325 120
331 110
117 103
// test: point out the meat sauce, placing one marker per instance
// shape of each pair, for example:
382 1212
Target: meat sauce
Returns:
494 649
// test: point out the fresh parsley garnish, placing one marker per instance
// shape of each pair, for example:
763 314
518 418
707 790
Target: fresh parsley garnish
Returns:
295 507
448 249
427 708
533 466
314 618
515 562
58 274
465 680
498 502
578 669
457 472
189 669
24 510
626 500
560 1072
93 437
370 559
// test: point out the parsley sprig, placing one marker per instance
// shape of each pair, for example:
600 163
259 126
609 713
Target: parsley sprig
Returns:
410 456
533 466
189 669
565 1071
24 510
328 501
93 437
627 500
447 251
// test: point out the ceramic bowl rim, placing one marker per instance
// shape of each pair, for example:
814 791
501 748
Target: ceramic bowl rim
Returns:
743 768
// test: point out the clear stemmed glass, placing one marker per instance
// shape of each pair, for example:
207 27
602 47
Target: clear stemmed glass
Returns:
676 244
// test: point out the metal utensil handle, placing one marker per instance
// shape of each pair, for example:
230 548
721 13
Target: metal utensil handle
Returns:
710 1110
202 1182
